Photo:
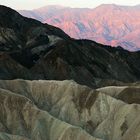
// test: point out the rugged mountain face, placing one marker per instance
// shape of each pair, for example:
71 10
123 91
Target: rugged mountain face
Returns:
108 24
32 50
42 110
21 119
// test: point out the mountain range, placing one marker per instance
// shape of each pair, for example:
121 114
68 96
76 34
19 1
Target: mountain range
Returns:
54 87
32 50
108 24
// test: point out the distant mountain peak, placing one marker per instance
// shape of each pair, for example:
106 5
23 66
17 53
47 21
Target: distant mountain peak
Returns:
108 5
109 24
51 7
116 5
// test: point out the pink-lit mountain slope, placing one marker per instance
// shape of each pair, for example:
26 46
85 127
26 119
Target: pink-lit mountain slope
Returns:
107 24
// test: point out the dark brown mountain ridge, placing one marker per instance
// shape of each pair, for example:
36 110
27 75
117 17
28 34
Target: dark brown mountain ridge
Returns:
41 51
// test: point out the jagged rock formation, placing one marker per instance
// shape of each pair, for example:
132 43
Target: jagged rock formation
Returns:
20 119
65 110
109 24
32 50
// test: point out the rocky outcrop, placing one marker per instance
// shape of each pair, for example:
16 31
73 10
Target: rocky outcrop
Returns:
128 94
29 109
